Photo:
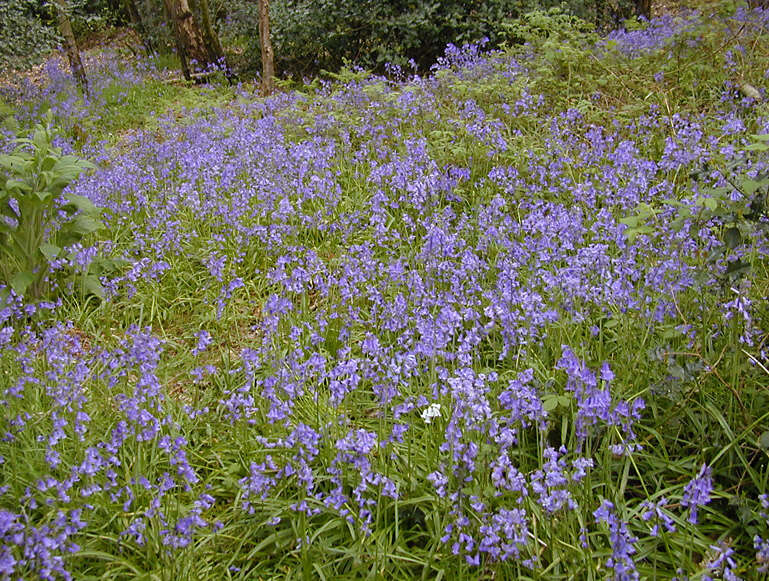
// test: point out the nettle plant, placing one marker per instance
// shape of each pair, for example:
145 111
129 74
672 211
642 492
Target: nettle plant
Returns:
41 226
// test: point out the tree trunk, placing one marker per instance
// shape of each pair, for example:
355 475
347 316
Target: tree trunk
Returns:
213 45
643 8
189 40
268 57
70 45
138 25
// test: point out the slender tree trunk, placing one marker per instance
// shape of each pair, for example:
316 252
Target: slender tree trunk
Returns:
70 45
268 57
643 8
210 36
180 52
138 25
189 40
213 45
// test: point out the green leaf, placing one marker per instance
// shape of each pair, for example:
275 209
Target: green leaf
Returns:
82 204
14 162
21 281
709 203
632 233
763 441
41 139
737 267
11 124
48 163
675 370
732 237
18 185
69 167
549 402
92 286
749 186
631 221
83 224
100 265
43 196
49 251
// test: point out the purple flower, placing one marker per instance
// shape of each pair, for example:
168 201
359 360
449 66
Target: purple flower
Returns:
697 492
204 340
654 512
722 563
622 543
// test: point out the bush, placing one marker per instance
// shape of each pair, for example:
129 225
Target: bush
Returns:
24 37
314 35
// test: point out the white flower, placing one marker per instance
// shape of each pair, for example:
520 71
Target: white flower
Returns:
430 412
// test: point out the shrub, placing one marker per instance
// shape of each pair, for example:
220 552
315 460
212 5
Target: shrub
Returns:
310 36
23 36
38 221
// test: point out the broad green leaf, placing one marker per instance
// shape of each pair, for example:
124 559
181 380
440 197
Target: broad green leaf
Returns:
82 204
749 186
710 203
675 370
41 139
91 285
43 196
671 332
48 163
633 233
732 237
84 224
21 281
737 267
631 221
11 124
14 162
101 265
18 186
71 163
49 250
549 402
